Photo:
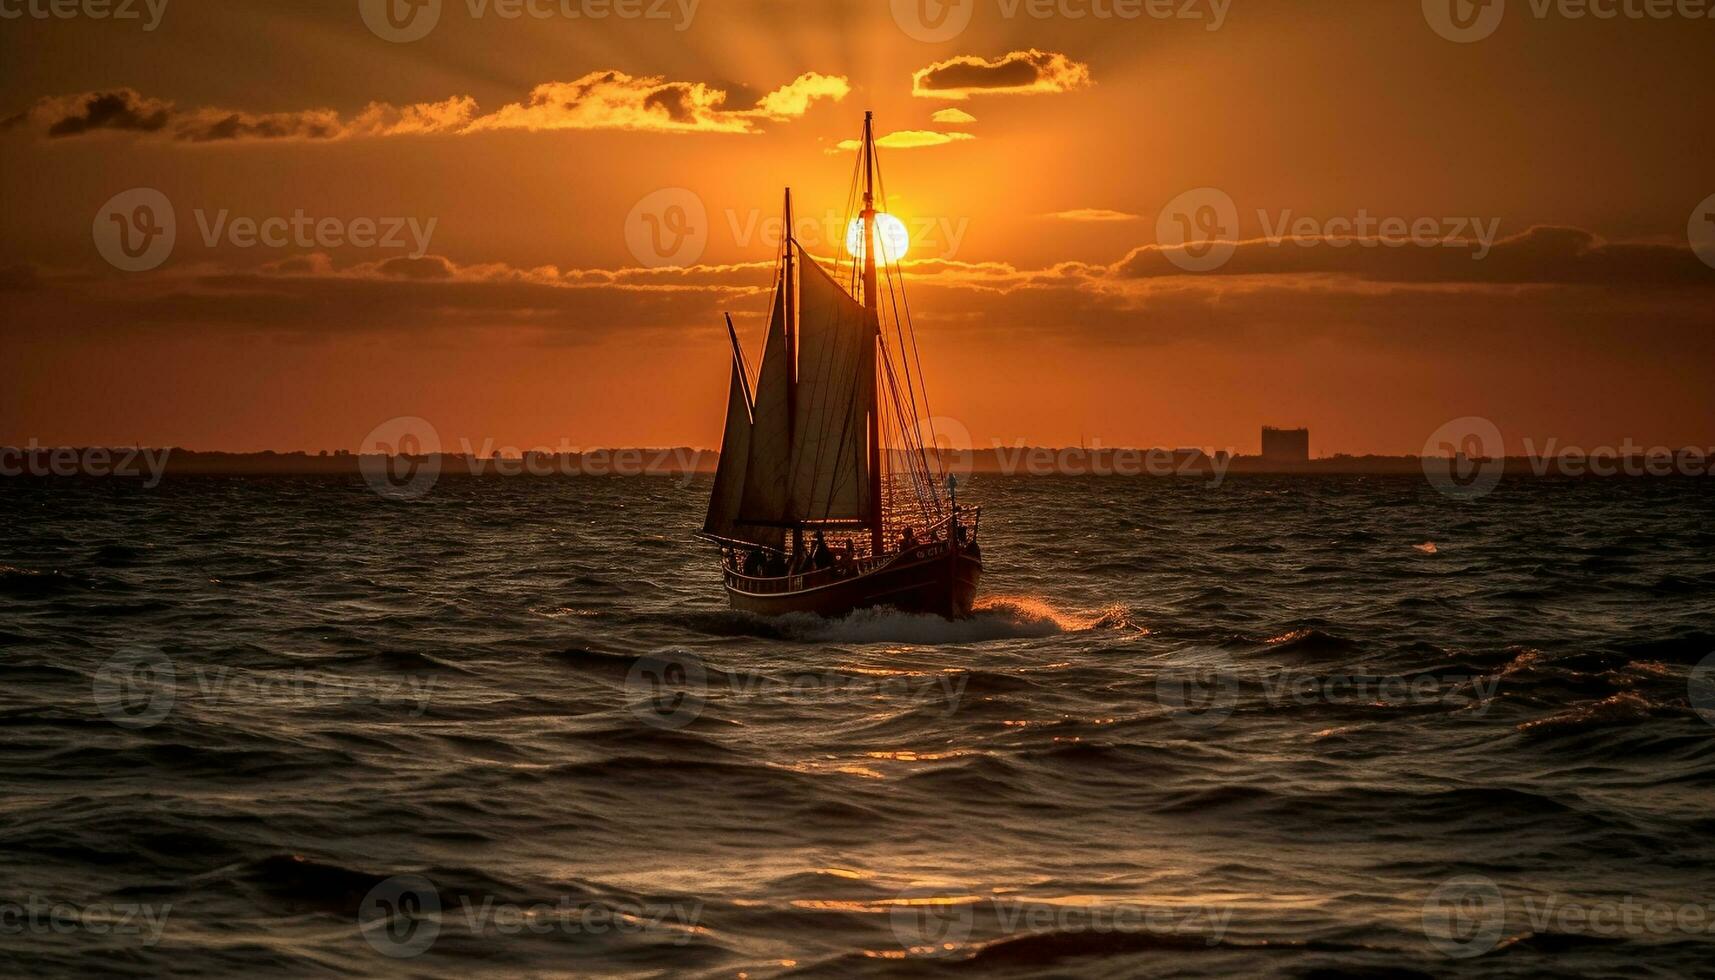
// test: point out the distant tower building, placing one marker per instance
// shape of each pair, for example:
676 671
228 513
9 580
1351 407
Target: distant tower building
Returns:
1286 445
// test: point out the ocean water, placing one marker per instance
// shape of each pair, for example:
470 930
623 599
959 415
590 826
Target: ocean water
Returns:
1278 727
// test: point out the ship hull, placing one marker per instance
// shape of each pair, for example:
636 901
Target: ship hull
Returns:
936 578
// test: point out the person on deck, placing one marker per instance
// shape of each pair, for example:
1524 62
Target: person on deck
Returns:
908 539
819 557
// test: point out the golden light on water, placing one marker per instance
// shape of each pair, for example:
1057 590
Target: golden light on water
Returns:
895 240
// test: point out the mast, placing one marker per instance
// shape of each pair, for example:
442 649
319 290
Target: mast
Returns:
791 352
871 302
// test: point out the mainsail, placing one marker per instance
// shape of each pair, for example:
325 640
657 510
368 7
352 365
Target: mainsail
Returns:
800 455
836 392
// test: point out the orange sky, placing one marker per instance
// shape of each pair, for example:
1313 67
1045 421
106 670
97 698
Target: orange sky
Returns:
1578 150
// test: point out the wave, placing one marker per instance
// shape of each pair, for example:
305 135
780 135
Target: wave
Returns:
29 583
994 618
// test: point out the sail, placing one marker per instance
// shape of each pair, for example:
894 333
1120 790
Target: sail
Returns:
766 500
722 520
836 389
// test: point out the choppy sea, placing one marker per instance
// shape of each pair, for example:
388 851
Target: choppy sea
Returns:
1283 726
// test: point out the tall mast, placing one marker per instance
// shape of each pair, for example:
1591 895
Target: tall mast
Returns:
872 302
791 299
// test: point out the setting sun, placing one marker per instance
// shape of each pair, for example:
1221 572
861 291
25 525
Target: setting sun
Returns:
894 238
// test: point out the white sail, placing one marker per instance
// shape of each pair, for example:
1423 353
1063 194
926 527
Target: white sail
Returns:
836 388
766 500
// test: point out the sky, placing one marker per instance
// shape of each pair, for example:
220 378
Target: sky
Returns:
1133 222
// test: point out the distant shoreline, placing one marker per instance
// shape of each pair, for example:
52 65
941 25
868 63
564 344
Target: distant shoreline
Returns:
98 461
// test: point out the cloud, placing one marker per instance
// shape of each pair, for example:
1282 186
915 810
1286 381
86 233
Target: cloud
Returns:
1093 214
906 139
598 100
1541 255
71 115
952 117
615 100
1545 283
1029 72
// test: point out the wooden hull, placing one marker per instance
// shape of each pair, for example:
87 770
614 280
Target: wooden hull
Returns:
933 578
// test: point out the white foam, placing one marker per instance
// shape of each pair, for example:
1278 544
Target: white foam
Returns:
999 618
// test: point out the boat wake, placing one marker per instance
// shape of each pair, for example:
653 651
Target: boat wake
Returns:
995 618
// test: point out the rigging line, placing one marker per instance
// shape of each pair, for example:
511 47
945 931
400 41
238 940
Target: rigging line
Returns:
904 302
899 427
929 472
913 441
907 439
850 211
910 391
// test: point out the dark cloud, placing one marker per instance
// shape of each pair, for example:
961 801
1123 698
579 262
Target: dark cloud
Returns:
1542 254
598 100
1018 72
1559 284
74 115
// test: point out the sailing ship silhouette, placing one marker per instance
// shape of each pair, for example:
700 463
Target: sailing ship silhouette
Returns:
803 456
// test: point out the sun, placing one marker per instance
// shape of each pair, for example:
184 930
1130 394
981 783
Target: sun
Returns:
894 239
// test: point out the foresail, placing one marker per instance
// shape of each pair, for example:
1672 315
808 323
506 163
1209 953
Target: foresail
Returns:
836 388
722 520
765 501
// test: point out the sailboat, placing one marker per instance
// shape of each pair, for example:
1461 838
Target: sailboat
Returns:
826 498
